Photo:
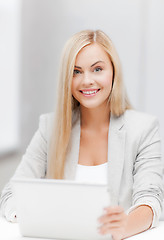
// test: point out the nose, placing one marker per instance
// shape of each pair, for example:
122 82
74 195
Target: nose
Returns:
87 79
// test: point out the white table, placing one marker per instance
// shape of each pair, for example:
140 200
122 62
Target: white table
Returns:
10 231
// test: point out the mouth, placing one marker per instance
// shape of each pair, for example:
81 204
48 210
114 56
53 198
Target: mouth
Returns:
90 92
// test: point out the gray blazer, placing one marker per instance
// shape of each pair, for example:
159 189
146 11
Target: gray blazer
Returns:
134 161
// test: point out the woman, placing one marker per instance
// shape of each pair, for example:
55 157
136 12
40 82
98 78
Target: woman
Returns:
97 137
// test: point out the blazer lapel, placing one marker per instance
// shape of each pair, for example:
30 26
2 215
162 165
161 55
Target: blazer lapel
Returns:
116 146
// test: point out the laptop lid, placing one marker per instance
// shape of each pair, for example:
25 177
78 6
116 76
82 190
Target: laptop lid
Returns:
60 209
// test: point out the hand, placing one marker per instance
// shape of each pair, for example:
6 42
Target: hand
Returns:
114 221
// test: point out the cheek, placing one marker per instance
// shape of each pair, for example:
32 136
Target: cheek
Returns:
107 81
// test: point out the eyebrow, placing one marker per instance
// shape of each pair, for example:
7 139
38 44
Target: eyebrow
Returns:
91 65
96 63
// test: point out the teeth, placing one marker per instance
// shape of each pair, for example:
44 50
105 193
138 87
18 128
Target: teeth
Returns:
89 92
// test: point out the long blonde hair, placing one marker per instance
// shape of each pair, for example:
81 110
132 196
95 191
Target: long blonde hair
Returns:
66 104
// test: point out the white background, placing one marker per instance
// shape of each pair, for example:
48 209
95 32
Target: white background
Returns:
9 74
33 33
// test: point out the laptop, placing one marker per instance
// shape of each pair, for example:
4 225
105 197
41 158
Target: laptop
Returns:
60 209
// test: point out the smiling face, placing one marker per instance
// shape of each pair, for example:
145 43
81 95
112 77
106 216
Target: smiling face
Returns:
92 78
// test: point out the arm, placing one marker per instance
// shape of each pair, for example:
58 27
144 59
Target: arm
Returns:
147 189
148 186
33 165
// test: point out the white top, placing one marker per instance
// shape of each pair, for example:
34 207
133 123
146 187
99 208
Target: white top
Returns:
92 174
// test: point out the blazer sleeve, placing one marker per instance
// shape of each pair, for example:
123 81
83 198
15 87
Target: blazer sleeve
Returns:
32 165
148 171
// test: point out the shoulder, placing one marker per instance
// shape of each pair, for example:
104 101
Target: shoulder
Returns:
46 122
138 123
46 118
136 118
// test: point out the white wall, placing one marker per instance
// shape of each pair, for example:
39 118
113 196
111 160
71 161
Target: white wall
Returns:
9 74
136 28
154 64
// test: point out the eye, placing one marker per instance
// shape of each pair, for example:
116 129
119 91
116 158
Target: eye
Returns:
75 72
98 69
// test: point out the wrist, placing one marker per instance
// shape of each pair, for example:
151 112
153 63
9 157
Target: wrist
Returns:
139 220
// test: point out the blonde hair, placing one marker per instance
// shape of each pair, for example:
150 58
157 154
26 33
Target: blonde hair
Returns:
66 104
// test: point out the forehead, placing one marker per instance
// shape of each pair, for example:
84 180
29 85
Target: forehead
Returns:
92 53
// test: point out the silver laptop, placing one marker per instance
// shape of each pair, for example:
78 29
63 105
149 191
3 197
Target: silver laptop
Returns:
60 209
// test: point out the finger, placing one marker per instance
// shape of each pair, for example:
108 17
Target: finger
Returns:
112 214
111 228
110 218
114 210
113 224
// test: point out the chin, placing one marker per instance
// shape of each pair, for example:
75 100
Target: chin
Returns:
90 106
93 103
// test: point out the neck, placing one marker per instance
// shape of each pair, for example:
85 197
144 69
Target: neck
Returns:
96 118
